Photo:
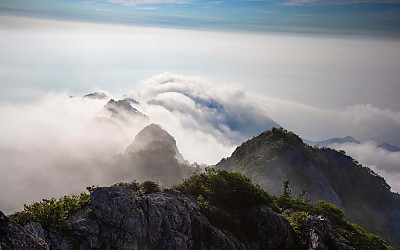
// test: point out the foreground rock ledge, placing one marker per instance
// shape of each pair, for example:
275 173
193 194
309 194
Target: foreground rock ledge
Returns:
117 218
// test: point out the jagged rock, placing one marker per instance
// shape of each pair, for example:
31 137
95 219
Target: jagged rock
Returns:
35 229
319 233
14 236
274 231
117 218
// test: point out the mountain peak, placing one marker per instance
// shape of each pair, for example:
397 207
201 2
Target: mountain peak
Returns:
123 109
279 155
151 137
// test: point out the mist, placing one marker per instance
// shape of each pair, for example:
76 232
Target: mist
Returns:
383 162
55 147
60 144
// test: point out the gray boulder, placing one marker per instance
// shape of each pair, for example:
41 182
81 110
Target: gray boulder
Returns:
14 236
117 218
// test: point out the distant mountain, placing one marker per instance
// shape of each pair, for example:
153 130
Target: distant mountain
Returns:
123 111
96 95
153 137
389 147
120 106
324 143
131 100
278 155
153 155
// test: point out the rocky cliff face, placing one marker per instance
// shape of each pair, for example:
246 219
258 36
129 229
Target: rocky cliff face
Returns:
119 218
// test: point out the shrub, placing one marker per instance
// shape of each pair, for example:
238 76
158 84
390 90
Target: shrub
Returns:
51 213
224 189
330 211
148 187
286 201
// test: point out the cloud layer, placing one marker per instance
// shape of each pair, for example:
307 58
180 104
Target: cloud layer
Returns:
55 142
59 145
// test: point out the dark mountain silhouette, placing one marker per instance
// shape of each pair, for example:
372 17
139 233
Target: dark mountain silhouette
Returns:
153 155
277 155
389 147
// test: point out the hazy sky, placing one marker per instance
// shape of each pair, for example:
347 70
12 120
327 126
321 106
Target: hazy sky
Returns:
319 68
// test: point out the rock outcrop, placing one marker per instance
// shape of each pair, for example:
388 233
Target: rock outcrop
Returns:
119 218
14 236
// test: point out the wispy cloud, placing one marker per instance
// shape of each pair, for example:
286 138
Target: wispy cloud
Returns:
141 2
338 2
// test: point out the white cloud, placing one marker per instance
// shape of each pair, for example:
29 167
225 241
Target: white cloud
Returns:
226 112
54 147
368 122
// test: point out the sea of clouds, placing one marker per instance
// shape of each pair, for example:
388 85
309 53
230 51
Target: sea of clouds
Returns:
57 146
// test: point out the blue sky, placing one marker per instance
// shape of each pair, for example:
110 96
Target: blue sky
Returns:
355 17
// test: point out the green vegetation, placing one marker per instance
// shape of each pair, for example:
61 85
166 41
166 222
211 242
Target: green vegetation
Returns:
148 187
224 189
347 232
140 188
365 197
225 199
51 213
224 196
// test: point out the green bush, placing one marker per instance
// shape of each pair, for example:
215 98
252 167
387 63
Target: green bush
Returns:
148 187
224 189
330 211
51 213
133 185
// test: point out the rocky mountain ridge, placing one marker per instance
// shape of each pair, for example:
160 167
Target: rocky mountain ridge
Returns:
118 218
278 155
